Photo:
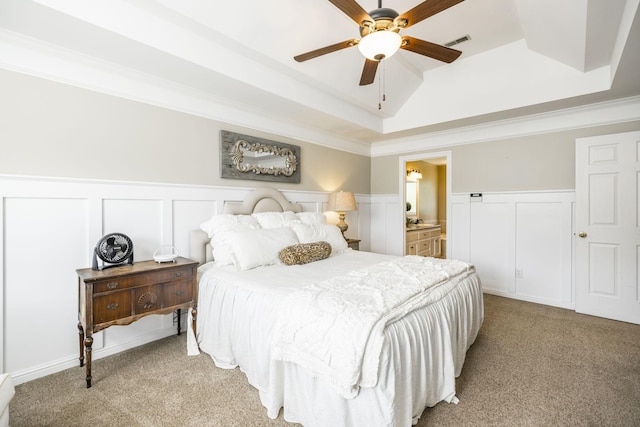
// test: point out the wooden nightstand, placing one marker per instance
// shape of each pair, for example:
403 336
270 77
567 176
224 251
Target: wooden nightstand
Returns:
354 244
123 294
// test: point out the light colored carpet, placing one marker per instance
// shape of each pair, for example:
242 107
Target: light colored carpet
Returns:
532 365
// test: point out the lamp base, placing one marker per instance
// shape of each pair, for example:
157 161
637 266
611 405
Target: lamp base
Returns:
342 225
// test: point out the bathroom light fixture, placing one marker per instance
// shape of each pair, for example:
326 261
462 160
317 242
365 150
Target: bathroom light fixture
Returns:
414 174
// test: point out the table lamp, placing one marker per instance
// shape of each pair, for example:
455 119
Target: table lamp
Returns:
341 202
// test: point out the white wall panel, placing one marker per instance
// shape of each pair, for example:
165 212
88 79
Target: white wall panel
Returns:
520 243
387 225
141 220
458 232
541 254
364 226
44 241
491 244
187 216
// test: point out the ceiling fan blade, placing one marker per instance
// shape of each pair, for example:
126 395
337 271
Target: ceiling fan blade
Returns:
426 9
432 50
324 50
353 10
368 72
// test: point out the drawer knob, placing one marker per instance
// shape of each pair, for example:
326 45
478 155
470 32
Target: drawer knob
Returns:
112 306
179 274
180 293
112 285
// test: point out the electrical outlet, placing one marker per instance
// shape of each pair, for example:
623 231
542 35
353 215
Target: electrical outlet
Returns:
518 273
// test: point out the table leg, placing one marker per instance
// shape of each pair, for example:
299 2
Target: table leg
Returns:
178 312
81 335
194 313
88 342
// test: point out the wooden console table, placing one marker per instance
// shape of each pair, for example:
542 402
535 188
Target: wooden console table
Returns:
123 294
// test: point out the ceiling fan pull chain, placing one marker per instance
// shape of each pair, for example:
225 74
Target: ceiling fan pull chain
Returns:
380 88
382 97
384 83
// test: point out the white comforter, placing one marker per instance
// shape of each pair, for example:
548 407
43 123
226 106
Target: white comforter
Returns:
421 353
334 328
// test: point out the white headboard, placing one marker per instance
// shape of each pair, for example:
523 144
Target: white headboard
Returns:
259 200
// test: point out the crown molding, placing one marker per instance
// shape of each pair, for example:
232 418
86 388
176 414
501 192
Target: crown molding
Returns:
40 59
586 116
44 60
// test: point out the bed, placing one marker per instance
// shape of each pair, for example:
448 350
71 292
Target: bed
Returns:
348 338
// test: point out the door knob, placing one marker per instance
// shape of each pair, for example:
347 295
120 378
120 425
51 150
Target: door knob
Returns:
582 234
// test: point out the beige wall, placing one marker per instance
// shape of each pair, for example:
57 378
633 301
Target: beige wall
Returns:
57 130
53 129
540 162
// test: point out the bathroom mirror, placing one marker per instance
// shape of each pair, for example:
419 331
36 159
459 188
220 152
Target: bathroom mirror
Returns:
411 198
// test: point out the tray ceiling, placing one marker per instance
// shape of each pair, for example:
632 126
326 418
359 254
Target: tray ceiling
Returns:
523 57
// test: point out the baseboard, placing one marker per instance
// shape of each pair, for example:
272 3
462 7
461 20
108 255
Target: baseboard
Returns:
59 365
568 306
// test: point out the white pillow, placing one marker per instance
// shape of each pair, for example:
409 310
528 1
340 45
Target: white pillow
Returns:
309 233
311 218
274 219
228 222
222 250
255 248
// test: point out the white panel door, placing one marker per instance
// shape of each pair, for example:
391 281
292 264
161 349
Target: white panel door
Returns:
607 226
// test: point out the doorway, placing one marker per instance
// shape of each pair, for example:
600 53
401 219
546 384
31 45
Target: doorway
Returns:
425 189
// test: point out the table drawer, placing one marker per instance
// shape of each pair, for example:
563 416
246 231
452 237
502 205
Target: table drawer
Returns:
147 298
111 307
412 236
143 279
177 293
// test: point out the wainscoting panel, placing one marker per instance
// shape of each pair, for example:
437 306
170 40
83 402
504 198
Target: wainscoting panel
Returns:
141 220
459 229
491 243
543 251
186 213
520 243
50 228
387 224
360 219
45 240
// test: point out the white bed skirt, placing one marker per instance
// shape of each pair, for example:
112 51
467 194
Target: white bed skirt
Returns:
422 355
439 335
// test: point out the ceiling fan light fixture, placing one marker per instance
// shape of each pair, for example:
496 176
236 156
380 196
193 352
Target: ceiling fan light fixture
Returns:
380 45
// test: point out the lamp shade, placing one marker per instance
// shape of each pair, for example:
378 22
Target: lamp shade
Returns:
380 45
342 201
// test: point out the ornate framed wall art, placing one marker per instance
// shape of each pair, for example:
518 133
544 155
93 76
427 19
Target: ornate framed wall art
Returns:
253 158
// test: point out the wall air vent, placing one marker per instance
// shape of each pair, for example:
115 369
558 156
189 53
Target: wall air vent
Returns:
458 41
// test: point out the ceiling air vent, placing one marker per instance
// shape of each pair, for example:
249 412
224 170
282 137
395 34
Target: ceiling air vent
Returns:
458 41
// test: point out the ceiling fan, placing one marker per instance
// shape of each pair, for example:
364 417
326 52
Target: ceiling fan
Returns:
380 29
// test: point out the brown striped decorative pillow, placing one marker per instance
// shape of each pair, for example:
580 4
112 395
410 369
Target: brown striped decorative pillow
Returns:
304 253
